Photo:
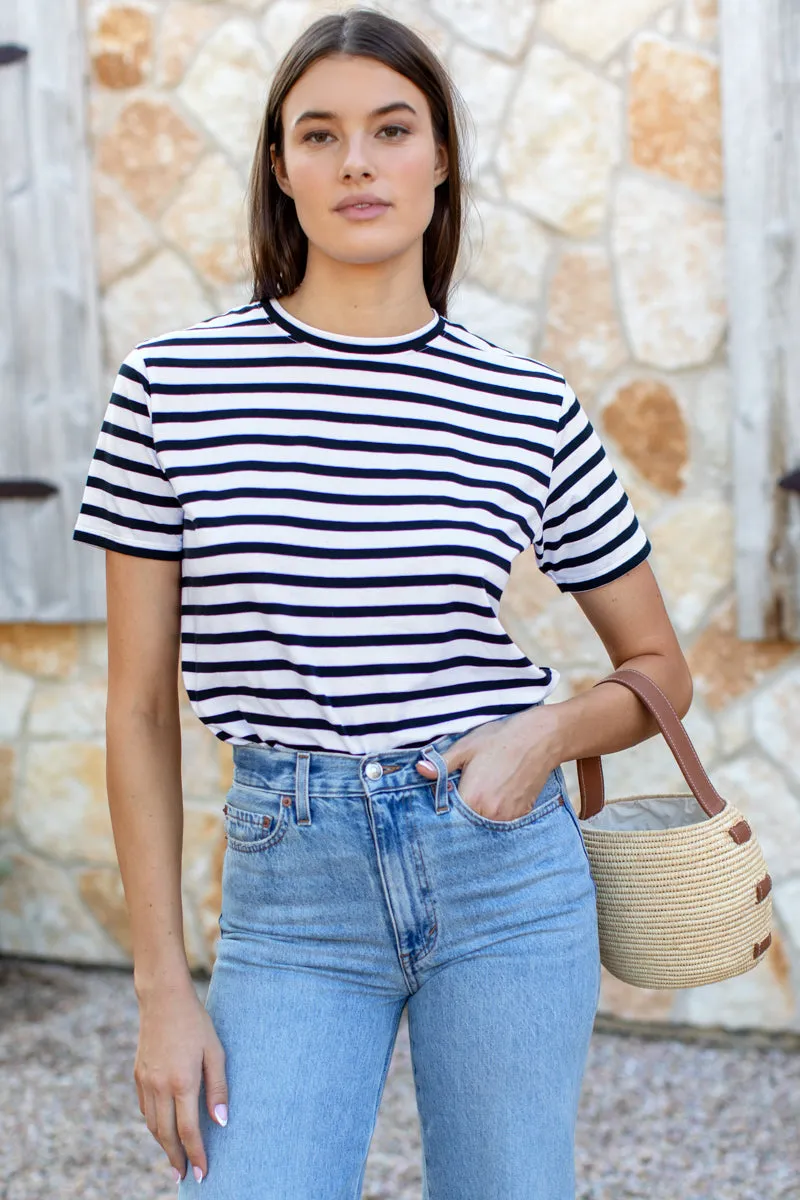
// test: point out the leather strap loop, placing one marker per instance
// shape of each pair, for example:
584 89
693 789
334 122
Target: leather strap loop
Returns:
590 770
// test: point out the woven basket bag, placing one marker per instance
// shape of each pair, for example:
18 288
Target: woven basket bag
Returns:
683 893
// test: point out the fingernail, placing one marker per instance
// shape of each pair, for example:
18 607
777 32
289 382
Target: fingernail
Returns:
221 1113
176 1175
198 1174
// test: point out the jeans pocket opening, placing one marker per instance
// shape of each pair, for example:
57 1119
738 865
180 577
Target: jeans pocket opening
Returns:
546 802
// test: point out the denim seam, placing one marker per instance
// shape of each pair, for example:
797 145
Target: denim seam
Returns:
537 812
253 847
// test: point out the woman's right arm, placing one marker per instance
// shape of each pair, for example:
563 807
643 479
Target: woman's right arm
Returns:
177 1041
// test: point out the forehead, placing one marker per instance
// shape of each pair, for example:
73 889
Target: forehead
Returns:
350 87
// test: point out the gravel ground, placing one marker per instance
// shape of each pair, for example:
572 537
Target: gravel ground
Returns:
661 1119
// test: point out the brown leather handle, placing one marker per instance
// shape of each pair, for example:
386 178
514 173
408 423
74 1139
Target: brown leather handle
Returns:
590 770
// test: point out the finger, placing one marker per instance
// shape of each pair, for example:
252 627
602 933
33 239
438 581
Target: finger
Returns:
168 1132
187 1117
140 1094
150 1117
216 1087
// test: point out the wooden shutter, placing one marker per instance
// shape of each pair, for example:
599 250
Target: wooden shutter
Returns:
760 55
50 406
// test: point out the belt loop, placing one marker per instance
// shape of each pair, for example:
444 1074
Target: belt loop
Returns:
301 787
442 800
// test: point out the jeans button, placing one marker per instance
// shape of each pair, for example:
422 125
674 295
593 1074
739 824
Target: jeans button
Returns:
373 770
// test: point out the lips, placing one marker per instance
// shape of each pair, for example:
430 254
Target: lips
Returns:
365 200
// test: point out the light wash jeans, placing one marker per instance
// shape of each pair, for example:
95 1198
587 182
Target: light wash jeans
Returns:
346 897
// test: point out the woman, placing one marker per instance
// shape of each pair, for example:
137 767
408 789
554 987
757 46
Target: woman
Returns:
318 497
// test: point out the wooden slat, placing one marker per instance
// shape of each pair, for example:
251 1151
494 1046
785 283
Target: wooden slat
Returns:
759 48
50 403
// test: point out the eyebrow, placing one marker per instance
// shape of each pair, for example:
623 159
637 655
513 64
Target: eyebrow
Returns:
315 114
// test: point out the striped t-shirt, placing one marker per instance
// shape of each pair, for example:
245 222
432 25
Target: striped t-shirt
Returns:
346 511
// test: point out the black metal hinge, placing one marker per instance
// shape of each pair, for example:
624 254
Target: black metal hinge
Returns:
790 482
10 54
26 489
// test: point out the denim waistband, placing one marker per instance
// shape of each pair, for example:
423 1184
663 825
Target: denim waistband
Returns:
329 772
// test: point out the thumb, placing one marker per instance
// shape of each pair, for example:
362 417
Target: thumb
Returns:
216 1087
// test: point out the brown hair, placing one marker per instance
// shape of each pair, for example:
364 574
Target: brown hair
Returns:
278 245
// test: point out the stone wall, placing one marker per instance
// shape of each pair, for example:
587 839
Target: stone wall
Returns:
596 243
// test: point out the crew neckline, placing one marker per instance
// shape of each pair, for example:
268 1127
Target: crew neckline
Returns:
358 345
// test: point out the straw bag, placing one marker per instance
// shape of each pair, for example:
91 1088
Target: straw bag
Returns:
682 886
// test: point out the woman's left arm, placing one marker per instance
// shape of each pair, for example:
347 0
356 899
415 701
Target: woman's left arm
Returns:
631 621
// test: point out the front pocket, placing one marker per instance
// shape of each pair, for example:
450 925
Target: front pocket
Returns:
549 799
255 818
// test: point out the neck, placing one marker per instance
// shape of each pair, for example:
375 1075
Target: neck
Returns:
354 301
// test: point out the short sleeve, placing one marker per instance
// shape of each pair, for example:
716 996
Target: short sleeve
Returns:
128 502
590 534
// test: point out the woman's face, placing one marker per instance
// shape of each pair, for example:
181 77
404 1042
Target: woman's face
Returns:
346 147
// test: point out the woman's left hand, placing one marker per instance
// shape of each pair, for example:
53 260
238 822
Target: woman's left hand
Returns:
504 764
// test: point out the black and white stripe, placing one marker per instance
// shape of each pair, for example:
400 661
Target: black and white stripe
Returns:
346 511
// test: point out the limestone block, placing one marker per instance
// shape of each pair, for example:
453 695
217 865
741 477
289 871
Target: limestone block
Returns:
43 916
734 726
232 295
226 87
149 150
621 999
203 850
203 766
50 651
528 591
595 30
761 998
646 501
485 83
8 769
16 690
582 335
510 253
121 46
669 251
502 27
760 791
674 114
285 20
100 889
645 420
649 768
693 558
786 903
566 637
776 716
700 20
561 141
161 296
68 710
94 636
184 26
209 222
122 236
511 326
724 668
63 806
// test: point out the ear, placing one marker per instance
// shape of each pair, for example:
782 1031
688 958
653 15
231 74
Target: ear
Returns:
441 165
280 174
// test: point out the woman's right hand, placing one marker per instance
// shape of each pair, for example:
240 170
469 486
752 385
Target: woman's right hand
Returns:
178 1046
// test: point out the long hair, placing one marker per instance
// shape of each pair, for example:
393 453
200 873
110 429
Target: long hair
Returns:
278 245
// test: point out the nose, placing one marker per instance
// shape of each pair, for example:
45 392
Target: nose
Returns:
356 159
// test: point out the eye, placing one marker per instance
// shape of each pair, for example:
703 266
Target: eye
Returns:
316 133
402 129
